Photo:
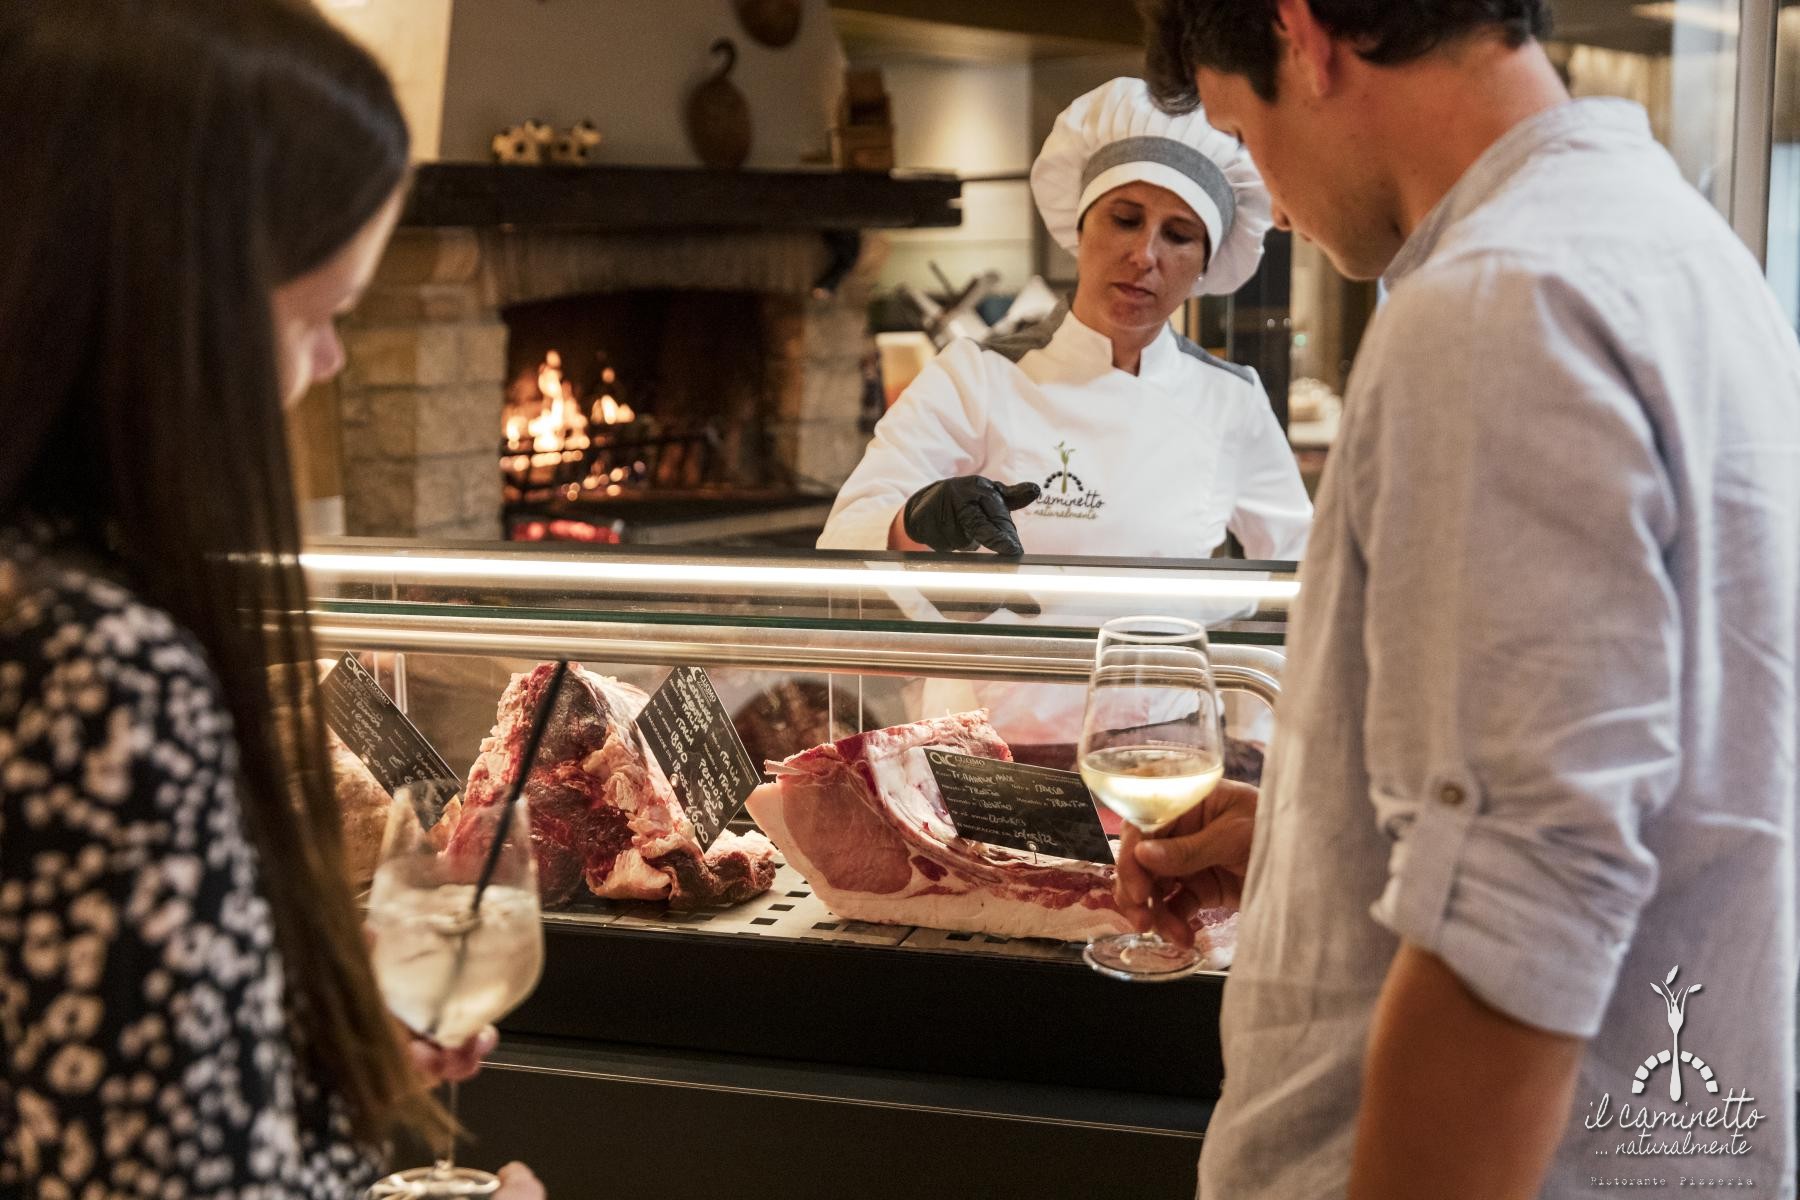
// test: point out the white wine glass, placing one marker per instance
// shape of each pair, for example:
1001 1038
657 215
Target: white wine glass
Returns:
1151 749
447 966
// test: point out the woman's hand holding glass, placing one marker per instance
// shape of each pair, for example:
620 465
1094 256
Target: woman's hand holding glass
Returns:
455 949
450 1064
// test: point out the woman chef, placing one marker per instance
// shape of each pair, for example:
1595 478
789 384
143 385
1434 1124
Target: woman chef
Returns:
1099 430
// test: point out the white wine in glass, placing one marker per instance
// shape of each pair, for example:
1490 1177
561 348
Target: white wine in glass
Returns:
1151 785
446 965
1151 750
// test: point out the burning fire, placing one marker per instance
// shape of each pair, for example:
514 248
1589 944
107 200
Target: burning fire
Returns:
548 429
607 410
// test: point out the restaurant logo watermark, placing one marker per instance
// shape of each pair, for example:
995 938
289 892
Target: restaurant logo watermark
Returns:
1675 1001
1694 1122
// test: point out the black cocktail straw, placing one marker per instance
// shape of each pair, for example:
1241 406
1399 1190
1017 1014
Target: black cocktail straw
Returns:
539 720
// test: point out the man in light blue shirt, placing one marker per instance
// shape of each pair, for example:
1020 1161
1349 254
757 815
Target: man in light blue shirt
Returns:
1535 773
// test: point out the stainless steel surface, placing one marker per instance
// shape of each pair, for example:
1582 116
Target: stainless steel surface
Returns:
790 910
787 910
1255 676
958 655
829 587
1753 133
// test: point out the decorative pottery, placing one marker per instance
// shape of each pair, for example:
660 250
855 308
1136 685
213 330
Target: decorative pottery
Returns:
718 116
774 23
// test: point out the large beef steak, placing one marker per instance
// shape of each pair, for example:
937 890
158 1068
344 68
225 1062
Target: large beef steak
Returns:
862 819
602 811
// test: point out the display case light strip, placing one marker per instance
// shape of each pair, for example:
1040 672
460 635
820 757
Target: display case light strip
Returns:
521 570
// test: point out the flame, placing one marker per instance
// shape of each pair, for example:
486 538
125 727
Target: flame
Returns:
613 412
548 427
560 423
549 424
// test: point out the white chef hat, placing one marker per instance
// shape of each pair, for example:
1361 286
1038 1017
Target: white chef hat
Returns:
1115 135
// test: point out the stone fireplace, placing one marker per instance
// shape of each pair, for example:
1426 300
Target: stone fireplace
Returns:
748 346
755 271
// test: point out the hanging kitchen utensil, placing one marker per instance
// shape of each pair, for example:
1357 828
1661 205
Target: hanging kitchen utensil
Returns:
718 116
774 23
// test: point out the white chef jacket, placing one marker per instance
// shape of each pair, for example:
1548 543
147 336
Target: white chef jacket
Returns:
1157 464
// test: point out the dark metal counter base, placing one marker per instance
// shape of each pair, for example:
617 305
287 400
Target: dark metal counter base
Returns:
964 1014
598 1121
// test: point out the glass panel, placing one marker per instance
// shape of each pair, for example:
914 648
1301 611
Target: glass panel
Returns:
976 597
452 697
1676 58
803 650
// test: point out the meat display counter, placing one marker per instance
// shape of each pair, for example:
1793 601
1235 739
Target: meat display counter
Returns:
771 1046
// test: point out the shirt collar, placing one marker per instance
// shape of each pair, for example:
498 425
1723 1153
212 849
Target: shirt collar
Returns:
1090 352
1597 120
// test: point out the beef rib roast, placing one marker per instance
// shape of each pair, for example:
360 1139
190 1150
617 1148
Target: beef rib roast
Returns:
602 811
862 819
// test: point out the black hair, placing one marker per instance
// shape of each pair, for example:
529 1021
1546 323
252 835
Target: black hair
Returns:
1238 37
168 164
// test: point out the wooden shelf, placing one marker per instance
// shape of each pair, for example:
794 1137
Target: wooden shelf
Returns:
621 199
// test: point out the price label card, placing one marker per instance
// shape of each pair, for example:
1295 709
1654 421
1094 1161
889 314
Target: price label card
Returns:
377 732
691 735
1024 808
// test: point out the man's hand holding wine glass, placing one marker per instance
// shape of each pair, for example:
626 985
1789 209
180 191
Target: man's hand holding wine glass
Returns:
1197 862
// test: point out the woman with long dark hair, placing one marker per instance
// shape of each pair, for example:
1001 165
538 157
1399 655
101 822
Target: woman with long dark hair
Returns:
192 191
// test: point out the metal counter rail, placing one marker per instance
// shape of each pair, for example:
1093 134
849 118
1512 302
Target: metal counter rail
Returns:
1252 669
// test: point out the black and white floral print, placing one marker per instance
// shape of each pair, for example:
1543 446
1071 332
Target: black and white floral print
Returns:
143 1019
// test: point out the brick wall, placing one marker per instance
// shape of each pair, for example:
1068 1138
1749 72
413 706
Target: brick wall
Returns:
420 395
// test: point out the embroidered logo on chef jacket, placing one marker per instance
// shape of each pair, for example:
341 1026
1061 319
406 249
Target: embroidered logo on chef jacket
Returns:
1065 495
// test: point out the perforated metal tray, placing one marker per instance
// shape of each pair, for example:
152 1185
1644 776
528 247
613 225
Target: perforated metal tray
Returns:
790 910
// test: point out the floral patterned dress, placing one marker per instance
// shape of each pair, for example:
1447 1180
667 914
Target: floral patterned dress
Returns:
145 1048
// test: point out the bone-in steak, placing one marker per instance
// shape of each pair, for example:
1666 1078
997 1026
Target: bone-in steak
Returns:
862 819
602 811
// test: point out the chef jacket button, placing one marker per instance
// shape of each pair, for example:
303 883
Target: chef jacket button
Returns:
1451 794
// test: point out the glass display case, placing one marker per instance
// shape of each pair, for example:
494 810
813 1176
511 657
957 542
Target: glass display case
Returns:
672 1048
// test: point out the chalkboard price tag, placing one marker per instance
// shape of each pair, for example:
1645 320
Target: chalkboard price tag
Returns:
377 732
691 735
1024 808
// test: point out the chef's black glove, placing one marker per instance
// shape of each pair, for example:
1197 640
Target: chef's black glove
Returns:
968 512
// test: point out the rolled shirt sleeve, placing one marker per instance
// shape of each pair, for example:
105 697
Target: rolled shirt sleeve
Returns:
1522 636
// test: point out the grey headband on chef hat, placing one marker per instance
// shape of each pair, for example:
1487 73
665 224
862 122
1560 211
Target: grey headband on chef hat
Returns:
1206 174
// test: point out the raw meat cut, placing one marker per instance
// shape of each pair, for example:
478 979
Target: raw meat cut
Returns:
863 821
1244 760
362 810
602 811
